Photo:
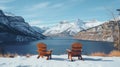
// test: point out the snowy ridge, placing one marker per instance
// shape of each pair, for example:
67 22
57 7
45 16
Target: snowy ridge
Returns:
62 27
70 28
92 23
116 19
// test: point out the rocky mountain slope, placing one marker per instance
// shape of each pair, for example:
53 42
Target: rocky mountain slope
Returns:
14 28
108 31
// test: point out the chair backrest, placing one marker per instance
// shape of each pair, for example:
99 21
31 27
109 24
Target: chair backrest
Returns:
41 47
76 47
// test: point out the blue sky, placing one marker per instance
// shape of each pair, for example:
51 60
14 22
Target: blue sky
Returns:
46 12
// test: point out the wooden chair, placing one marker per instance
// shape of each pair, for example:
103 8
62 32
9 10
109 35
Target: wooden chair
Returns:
75 51
42 50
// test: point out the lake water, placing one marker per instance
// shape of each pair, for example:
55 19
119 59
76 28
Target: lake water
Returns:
59 46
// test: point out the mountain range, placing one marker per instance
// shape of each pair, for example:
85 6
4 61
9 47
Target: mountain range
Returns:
65 28
14 28
17 29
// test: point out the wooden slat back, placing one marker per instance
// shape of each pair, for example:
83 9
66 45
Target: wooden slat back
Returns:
41 47
76 47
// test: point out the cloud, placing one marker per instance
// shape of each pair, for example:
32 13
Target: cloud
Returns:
35 23
77 0
57 5
41 23
100 8
6 1
3 7
30 15
44 5
39 6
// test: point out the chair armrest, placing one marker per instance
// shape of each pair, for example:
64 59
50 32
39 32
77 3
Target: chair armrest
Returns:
68 50
50 50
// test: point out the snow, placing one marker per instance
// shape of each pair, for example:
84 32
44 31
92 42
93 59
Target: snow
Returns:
60 61
62 27
71 28
115 19
92 23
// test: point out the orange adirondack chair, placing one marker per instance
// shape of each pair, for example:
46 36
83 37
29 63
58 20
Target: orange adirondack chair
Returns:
42 51
75 51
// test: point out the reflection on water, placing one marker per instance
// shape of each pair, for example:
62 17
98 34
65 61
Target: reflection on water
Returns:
59 46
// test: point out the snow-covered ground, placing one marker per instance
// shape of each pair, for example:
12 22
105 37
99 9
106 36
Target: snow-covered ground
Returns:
60 61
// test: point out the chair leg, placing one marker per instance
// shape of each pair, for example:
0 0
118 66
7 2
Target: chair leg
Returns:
68 56
38 56
80 58
50 56
41 56
47 58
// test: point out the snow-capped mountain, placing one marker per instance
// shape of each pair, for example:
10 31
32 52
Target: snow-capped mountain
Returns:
92 23
14 28
65 28
115 19
62 27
